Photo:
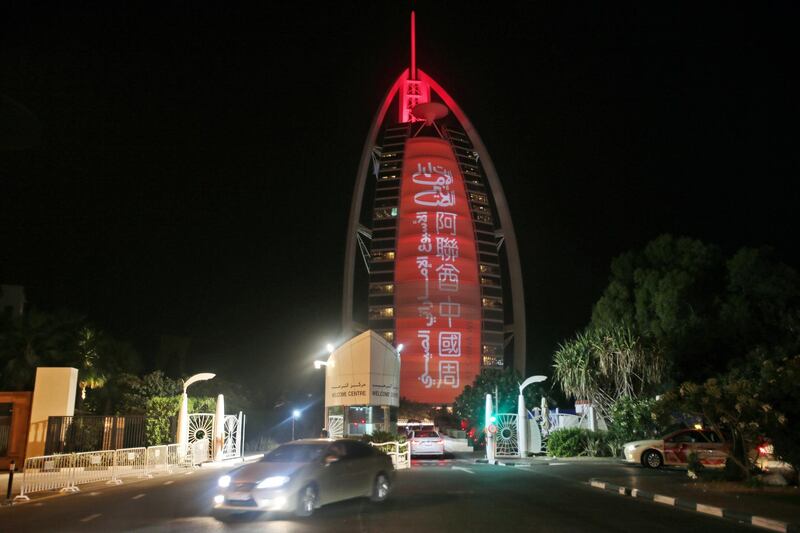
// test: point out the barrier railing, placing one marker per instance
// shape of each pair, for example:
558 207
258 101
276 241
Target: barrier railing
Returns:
65 472
129 462
89 467
49 472
400 452
157 459
177 457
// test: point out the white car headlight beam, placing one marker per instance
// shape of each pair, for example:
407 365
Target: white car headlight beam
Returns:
224 482
273 482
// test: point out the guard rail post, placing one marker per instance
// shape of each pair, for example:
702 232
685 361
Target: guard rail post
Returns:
11 468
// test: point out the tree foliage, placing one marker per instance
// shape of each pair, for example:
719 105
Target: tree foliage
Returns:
606 364
754 401
702 310
61 339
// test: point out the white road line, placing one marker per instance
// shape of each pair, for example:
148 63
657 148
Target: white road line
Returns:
170 482
138 496
598 484
91 517
462 469
557 464
93 493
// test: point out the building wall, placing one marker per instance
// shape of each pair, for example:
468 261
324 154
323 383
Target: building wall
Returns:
18 427
53 395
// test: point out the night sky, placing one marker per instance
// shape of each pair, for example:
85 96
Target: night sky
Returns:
197 161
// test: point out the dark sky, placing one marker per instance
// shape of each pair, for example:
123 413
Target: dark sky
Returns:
197 159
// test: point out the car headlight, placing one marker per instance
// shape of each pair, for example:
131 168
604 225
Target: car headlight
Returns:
631 447
224 482
273 482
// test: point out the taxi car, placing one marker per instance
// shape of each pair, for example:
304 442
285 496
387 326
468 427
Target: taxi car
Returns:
675 448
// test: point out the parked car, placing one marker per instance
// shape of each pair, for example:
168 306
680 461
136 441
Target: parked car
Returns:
304 475
674 449
427 442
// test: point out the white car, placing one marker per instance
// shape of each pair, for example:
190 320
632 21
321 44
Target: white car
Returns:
427 442
674 449
303 475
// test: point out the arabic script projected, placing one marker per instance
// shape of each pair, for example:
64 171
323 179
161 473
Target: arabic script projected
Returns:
437 296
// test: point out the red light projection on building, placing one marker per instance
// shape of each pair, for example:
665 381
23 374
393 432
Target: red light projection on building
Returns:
413 91
437 295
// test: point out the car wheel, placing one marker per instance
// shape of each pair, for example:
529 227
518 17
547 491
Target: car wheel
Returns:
652 459
381 488
306 501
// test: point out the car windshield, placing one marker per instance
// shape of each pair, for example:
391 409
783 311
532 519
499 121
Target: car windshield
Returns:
295 453
424 434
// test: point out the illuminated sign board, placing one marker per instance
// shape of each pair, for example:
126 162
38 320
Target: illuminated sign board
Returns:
437 293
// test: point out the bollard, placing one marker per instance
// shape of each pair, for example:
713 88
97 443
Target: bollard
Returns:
11 468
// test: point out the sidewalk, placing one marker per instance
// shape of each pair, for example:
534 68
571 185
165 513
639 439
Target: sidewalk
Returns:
778 503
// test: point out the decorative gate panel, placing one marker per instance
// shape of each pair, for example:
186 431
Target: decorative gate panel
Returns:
201 429
336 426
506 437
232 445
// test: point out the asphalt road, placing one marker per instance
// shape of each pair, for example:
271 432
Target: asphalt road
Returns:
441 497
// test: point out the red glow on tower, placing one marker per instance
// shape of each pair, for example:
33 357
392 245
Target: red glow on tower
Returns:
413 91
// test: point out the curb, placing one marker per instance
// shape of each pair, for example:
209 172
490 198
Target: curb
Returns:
687 505
232 461
502 463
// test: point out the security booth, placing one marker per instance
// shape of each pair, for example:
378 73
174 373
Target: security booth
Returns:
362 387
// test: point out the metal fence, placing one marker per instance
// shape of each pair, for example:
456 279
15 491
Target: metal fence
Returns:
400 452
65 472
83 433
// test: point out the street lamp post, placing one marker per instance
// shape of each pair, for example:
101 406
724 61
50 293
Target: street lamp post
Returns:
522 419
295 416
183 414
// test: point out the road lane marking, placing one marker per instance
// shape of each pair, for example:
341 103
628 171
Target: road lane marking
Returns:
598 484
91 517
557 464
138 496
93 493
462 469
170 482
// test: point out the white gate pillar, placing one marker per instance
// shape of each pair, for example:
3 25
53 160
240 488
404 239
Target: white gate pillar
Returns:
522 427
183 424
489 436
218 439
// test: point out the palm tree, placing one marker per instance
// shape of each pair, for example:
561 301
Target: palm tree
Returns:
604 364
89 373
31 340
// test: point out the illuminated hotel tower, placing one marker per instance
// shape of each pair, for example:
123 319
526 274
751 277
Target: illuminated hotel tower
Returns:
432 225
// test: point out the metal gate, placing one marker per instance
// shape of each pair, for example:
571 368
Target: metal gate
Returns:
335 426
232 444
201 430
506 436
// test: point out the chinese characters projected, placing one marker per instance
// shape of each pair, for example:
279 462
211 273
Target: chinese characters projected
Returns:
437 296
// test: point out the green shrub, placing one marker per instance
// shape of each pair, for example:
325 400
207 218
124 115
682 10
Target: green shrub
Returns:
566 442
383 436
694 466
574 442
160 409
631 419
